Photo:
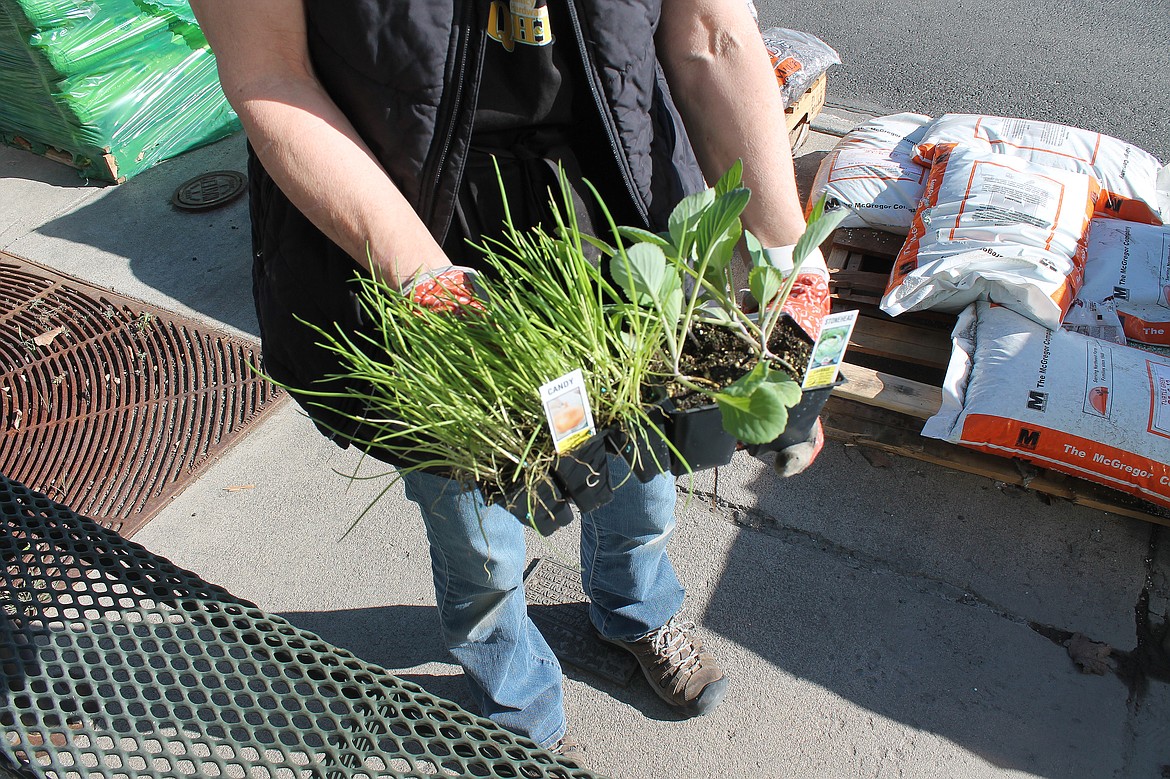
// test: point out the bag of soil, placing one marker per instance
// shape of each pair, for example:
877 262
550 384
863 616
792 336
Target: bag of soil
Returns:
1127 284
799 59
872 173
994 227
1058 399
1128 174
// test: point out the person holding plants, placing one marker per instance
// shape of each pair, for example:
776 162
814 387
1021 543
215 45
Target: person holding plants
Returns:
375 128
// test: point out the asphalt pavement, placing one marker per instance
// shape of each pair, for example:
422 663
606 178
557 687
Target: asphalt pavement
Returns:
879 616
1099 66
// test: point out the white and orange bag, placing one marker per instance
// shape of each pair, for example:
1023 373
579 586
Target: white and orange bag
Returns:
872 173
798 59
1127 283
994 227
1129 175
1058 399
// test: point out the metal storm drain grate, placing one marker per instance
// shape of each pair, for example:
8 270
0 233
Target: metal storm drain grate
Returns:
118 664
111 405
559 607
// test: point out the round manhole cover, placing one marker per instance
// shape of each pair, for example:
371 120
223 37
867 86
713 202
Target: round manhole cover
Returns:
209 190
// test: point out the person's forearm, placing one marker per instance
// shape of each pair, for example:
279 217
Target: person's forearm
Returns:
722 81
305 142
318 161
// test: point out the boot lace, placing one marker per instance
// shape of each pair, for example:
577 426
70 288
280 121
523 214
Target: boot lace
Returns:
674 647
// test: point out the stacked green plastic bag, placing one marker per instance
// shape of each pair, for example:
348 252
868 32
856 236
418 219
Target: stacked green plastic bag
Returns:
115 85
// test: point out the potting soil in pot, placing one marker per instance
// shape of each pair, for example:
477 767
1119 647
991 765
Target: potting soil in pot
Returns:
718 356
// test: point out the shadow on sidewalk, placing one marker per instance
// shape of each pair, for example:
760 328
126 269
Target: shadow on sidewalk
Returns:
390 636
888 589
200 258
398 638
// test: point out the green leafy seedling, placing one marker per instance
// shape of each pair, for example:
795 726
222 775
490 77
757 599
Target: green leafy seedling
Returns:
683 276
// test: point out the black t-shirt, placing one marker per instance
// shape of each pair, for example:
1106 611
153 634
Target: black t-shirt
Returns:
533 116
527 73
522 120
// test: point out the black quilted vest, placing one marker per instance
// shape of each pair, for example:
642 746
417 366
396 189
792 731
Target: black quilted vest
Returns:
406 72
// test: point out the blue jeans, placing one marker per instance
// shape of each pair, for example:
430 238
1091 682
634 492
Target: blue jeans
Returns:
478 560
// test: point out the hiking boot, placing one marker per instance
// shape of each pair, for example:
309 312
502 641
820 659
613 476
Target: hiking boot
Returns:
679 667
571 750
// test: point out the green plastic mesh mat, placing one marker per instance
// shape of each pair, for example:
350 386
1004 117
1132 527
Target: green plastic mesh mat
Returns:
118 664
110 87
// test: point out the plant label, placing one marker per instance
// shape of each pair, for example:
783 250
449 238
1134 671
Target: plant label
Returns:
566 406
829 350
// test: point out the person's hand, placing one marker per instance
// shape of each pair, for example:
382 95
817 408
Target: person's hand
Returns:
808 304
448 289
794 459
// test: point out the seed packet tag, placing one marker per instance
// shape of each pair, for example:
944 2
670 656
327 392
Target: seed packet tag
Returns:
829 350
566 406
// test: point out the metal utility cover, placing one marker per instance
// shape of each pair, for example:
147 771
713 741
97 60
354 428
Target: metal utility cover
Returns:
559 607
109 404
209 190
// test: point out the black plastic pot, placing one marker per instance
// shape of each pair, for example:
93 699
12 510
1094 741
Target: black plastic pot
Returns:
699 438
801 419
645 449
583 473
550 509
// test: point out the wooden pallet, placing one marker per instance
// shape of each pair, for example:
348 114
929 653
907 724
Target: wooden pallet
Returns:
799 116
894 376
103 166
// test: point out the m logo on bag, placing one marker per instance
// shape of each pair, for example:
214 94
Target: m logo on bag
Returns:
1121 293
1037 401
1028 439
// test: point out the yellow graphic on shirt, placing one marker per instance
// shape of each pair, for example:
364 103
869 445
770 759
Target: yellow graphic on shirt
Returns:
519 21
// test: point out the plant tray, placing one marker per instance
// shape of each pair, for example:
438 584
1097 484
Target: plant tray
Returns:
893 382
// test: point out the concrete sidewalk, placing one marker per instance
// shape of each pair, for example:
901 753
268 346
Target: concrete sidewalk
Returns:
880 616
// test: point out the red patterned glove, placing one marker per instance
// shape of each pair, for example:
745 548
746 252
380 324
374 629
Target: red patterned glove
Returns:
449 289
808 304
